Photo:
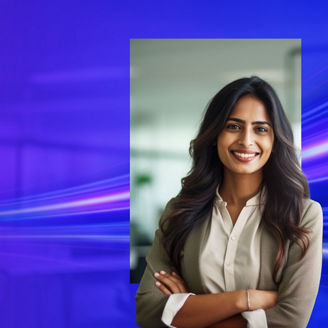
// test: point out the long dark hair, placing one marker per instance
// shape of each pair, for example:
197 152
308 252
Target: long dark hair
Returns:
285 183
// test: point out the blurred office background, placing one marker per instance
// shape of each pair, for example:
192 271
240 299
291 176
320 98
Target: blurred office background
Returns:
171 83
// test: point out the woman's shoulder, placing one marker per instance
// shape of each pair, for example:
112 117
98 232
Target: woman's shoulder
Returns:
167 210
309 203
312 212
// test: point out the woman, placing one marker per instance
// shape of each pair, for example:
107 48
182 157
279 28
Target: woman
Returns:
241 244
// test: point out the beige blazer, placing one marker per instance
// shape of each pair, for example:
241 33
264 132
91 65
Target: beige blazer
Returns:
298 281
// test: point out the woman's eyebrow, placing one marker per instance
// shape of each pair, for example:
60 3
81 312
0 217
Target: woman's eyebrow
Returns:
243 122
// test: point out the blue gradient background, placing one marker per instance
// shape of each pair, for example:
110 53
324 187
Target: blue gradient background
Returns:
64 144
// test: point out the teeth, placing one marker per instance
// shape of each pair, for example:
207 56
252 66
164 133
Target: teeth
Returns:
243 155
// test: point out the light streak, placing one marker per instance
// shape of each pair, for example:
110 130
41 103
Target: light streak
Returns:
123 238
315 151
76 213
318 180
72 191
72 204
310 112
99 197
325 251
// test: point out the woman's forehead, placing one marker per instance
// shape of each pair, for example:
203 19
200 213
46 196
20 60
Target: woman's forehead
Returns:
250 108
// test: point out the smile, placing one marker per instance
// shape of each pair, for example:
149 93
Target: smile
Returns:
244 156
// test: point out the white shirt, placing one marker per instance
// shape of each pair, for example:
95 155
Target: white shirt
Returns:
229 258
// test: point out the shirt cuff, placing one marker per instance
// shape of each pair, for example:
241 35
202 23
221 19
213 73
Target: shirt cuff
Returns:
255 319
172 307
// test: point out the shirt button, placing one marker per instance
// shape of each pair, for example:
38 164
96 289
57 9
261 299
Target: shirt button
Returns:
233 237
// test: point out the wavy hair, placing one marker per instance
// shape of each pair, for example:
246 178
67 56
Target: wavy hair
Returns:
285 182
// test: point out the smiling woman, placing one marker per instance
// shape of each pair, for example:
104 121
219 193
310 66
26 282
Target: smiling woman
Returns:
241 243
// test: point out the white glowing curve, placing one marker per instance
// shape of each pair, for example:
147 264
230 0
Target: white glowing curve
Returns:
325 250
71 191
102 237
83 202
313 110
317 180
316 150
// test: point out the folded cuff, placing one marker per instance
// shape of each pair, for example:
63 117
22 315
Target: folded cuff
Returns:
172 307
255 319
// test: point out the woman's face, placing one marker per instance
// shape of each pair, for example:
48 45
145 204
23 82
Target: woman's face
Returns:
246 141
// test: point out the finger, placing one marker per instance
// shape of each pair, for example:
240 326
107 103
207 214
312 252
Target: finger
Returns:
170 276
168 282
176 276
178 282
162 288
181 280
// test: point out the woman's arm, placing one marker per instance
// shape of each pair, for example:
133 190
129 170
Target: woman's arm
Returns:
150 301
300 279
204 310
213 309
237 321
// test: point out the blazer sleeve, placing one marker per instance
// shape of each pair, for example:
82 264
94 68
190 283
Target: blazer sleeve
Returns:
150 301
300 280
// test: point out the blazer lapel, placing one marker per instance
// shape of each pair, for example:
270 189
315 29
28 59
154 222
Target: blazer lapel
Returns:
190 261
268 255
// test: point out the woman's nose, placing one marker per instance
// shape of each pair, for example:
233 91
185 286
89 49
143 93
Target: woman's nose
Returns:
246 138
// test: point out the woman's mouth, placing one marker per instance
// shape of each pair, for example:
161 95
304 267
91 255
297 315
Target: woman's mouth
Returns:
244 156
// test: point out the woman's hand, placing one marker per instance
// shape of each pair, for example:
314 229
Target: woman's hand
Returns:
170 283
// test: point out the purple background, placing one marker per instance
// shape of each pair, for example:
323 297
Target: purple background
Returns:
64 144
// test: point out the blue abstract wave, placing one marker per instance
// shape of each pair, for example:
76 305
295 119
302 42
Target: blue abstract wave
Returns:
64 144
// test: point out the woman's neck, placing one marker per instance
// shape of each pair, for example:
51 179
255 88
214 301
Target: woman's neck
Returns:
237 189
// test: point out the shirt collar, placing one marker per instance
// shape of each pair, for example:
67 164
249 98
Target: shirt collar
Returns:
258 199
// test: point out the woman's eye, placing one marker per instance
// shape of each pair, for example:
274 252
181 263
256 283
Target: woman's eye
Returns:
261 129
233 127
